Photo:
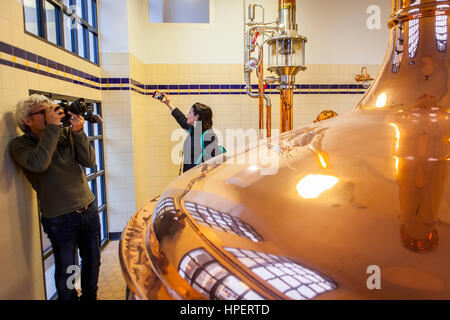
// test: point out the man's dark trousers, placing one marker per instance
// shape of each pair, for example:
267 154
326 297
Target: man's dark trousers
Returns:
67 232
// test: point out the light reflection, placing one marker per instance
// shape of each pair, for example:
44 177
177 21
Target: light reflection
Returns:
381 100
397 141
322 161
396 161
441 30
397 135
311 186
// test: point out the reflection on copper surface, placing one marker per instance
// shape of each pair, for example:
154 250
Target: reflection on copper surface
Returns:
441 33
165 204
414 36
398 51
135 261
296 281
221 221
421 171
207 276
381 100
313 185
326 114
168 221
322 160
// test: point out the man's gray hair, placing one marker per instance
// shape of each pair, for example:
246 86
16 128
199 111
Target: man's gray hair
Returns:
26 105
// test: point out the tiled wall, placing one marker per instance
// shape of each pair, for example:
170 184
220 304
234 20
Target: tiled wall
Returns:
27 63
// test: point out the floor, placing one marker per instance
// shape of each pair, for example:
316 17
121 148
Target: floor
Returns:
111 285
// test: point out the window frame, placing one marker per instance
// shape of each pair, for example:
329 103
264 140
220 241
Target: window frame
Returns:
64 10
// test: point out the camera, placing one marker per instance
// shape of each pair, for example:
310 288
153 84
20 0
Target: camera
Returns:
80 108
158 95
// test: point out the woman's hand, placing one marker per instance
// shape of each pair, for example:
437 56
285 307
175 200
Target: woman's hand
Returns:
166 101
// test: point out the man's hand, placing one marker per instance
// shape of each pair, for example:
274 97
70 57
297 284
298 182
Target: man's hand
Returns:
77 122
52 116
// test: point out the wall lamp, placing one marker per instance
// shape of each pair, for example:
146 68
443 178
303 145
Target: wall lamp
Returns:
364 77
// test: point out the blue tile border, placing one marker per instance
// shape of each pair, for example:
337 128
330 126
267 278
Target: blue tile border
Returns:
117 84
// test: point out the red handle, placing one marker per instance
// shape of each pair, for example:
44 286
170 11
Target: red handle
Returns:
254 39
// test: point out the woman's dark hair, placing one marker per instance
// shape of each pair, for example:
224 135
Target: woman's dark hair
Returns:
204 115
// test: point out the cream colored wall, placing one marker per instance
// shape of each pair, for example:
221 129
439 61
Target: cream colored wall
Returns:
21 275
118 139
336 30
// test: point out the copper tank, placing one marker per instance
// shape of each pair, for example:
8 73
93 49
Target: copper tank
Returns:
366 188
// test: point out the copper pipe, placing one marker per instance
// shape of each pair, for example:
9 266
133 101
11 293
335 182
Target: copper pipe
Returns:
268 120
261 92
286 116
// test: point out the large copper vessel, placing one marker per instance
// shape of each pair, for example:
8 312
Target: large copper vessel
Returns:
357 208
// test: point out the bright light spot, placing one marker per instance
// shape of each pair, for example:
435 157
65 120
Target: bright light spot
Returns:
397 135
253 168
396 161
381 101
323 163
313 185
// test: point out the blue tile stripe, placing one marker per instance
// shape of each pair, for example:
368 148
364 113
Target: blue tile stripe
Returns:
12 56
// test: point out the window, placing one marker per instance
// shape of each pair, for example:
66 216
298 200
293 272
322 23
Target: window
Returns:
69 24
96 180
30 10
52 16
179 11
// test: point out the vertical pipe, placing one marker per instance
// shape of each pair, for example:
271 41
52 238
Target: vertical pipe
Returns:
268 120
261 92
286 14
286 116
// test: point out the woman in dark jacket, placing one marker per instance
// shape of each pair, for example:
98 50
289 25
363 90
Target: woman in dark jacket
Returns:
201 144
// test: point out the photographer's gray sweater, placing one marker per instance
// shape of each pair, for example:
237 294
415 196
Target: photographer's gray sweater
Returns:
52 164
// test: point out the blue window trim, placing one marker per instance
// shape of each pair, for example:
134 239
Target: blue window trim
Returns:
60 10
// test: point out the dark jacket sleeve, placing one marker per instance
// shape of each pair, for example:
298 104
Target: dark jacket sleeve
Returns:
83 149
36 158
181 119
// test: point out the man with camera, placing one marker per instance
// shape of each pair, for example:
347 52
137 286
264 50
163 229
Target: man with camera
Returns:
51 157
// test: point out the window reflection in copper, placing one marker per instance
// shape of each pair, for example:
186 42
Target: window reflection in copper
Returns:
398 53
441 30
222 221
208 277
413 38
295 281
166 204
